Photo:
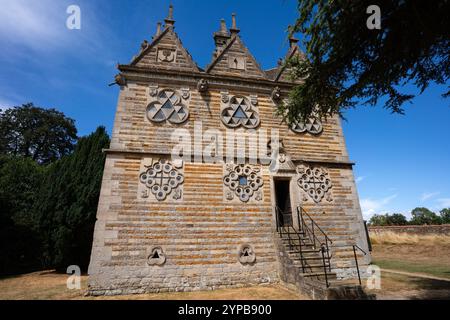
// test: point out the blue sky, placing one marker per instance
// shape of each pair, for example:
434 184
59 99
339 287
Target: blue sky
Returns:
401 161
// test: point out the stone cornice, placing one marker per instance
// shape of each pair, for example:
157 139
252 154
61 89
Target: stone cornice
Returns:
295 161
149 75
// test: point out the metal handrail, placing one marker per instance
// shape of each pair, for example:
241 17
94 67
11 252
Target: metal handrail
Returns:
301 211
310 231
281 229
305 229
355 246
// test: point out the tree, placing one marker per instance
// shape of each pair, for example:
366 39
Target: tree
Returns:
67 204
422 216
41 134
378 220
396 219
445 215
19 241
346 62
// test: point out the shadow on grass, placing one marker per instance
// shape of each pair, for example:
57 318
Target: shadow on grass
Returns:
430 289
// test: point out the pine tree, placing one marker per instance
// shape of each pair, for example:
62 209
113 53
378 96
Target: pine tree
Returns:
67 203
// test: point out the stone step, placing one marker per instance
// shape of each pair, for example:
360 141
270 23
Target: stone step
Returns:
319 275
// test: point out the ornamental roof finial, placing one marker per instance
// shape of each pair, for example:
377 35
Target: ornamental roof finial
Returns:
169 20
233 28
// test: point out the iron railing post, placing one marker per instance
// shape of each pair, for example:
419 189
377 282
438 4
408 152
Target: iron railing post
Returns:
276 218
357 265
324 266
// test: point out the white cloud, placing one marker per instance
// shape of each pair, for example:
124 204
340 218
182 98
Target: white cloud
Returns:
31 23
370 207
428 195
40 26
359 179
444 202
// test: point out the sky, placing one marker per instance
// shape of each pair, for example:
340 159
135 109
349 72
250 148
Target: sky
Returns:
402 161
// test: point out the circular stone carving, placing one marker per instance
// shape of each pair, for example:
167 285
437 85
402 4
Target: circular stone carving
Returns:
161 178
314 181
243 180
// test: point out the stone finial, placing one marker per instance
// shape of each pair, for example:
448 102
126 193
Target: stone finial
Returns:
233 28
221 37
169 20
223 26
158 29
292 41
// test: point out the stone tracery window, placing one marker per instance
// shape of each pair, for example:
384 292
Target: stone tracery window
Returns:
243 181
161 178
240 112
168 106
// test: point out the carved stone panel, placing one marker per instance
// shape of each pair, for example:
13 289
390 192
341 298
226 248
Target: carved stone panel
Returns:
168 105
239 111
243 182
236 62
161 180
315 182
313 125
166 55
246 254
156 257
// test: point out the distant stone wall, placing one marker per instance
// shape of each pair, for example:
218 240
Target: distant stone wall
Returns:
425 229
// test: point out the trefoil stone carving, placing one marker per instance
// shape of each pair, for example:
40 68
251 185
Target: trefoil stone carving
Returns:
240 112
168 106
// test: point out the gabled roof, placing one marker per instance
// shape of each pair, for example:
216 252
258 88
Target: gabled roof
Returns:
282 70
235 48
165 51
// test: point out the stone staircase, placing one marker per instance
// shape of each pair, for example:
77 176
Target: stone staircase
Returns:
306 257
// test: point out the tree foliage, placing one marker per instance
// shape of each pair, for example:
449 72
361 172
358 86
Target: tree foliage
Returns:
396 219
44 135
345 62
67 203
445 215
20 179
423 215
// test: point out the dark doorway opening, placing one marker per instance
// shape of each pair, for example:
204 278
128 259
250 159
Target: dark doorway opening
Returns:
283 202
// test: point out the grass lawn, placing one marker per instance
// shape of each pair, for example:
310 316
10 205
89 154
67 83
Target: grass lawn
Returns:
424 258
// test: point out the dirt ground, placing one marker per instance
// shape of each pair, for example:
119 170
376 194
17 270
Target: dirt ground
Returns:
49 285
429 260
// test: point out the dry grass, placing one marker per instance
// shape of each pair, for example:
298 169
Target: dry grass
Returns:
49 285
389 237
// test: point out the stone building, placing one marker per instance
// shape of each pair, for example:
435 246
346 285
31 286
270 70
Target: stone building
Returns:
221 214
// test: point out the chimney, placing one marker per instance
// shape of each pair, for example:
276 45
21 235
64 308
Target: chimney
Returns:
221 37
